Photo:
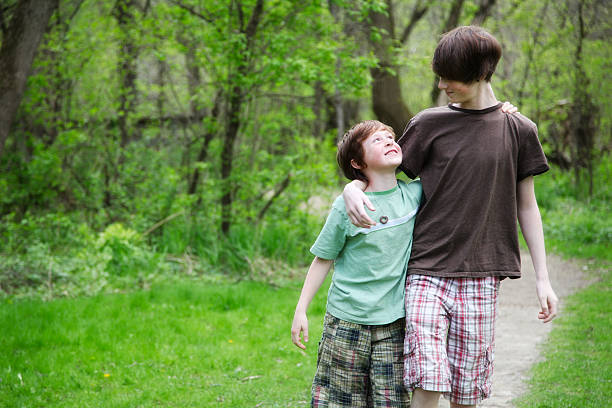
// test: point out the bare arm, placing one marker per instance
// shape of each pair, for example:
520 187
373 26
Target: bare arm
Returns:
354 200
531 226
319 268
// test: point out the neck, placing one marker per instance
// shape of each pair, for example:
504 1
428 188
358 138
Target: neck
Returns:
483 98
381 182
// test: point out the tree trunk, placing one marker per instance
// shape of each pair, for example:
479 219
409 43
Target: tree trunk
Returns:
387 101
128 55
584 112
483 12
236 99
19 46
210 133
227 156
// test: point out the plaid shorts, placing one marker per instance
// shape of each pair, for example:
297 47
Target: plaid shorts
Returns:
360 365
450 332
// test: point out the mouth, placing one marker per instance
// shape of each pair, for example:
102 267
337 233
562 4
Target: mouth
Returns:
392 151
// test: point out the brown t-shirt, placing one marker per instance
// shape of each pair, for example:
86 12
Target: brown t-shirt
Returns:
470 162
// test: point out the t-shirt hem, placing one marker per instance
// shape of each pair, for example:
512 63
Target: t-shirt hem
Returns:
322 254
539 170
466 274
343 316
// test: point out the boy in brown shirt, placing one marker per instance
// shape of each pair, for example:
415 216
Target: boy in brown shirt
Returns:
476 166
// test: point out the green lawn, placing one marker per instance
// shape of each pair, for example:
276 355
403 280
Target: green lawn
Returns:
185 345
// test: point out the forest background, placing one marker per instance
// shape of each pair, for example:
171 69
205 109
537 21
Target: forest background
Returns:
145 140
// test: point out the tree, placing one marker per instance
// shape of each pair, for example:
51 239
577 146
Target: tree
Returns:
19 45
584 112
387 101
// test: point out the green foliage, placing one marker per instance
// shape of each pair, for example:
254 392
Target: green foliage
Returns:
574 223
121 248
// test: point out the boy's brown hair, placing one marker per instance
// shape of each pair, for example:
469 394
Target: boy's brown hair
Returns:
350 147
466 54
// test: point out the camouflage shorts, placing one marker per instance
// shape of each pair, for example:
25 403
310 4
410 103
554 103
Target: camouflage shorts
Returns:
360 365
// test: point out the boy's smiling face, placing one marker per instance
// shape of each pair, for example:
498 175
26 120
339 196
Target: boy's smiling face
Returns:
380 151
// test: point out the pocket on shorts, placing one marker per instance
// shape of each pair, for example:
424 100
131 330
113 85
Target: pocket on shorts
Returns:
412 374
325 347
485 371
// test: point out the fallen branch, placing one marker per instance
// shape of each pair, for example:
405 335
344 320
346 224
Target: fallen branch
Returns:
162 222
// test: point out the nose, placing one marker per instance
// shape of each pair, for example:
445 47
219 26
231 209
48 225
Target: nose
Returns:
442 84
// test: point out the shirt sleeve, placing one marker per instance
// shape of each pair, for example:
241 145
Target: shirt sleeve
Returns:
414 149
332 237
531 158
416 190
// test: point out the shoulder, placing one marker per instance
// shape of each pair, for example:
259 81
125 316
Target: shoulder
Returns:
339 206
412 186
431 114
413 189
425 120
521 122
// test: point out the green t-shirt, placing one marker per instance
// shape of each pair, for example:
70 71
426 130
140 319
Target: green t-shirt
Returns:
370 264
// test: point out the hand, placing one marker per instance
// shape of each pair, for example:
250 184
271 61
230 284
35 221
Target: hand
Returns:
548 301
300 324
507 107
354 200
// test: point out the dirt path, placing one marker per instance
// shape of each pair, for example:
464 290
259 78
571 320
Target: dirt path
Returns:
519 334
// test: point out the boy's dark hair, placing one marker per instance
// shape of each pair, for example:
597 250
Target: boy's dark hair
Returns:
350 147
466 54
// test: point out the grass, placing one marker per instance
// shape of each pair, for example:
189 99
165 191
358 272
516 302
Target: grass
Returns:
577 370
183 345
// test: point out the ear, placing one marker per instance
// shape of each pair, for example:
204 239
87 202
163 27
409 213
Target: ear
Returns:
355 165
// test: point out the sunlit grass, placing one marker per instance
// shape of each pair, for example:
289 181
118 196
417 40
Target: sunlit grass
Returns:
186 345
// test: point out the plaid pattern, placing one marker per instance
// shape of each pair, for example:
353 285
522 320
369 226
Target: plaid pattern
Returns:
360 366
450 332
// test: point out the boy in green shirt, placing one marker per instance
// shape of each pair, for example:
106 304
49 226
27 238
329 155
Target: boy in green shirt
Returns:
360 360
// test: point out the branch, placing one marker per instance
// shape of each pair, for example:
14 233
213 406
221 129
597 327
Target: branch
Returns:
240 15
530 54
277 193
192 11
483 12
251 28
453 16
75 11
162 222
417 13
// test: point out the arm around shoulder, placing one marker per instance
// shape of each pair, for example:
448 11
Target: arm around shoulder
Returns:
354 200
